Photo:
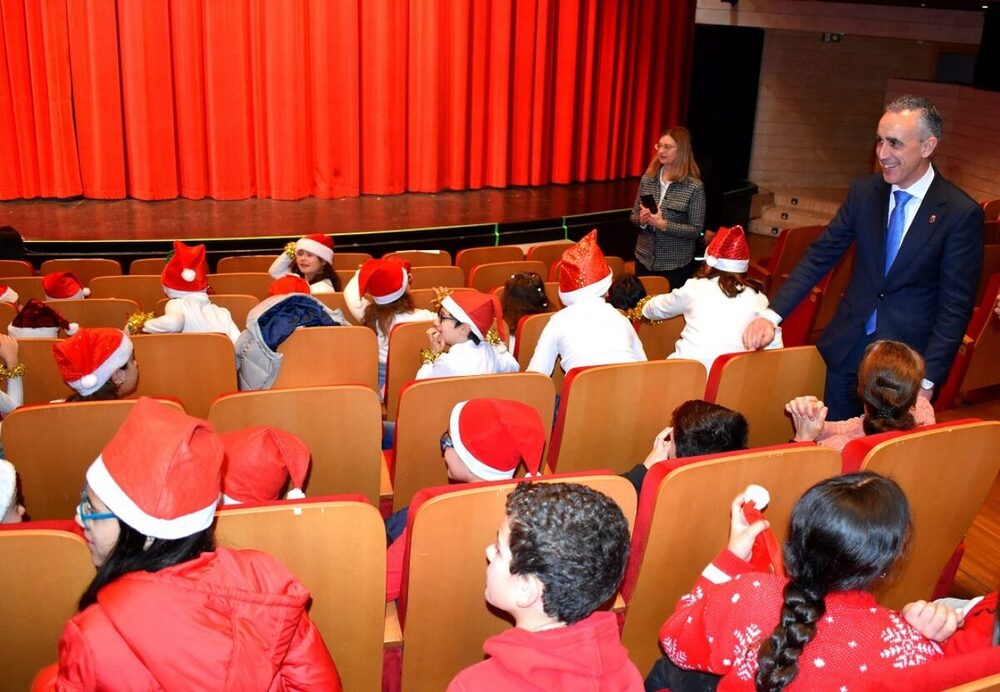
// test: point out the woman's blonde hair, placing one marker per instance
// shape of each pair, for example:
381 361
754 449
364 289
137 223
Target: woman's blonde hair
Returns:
684 165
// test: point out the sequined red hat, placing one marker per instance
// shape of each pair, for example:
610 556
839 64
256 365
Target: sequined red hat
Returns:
385 280
478 310
36 320
583 271
492 436
186 270
63 286
259 460
318 244
728 250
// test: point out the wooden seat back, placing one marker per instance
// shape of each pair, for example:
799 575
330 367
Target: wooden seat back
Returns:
406 340
486 277
242 264
147 265
433 276
144 289
85 268
469 257
244 283
421 258
28 287
192 368
660 340
42 382
12 268
350 260
239 306
318 356
548 253
96 312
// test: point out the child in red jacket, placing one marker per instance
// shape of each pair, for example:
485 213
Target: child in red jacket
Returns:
560 554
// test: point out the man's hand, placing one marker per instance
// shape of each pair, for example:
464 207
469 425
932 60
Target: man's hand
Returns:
758 334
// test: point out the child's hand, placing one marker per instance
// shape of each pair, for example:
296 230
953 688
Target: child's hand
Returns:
436 339
741 534
661 448
8 351
808 415
935 621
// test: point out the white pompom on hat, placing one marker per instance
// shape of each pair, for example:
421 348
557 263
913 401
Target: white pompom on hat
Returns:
89 358
492 436
161 473
318 244
8 487
8 294
186 270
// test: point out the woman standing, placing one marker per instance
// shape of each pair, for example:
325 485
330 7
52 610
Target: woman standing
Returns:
668 239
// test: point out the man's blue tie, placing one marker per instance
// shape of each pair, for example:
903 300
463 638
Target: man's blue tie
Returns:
893 239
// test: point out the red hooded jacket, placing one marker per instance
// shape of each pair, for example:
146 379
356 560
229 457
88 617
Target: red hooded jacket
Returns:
584 656
227 620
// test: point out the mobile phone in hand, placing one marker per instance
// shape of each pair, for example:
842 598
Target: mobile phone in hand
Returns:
648 202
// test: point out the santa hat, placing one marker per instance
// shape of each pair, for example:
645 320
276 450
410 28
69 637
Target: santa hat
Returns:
186 270
729 251
64 286
583 272
8 487
8 294
88 359
36 320
289 283
477 310
161 472
491 436
384 280
318 244
258 462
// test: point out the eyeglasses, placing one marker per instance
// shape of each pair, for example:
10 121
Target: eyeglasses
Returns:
446 442
659 146
86 510
442 316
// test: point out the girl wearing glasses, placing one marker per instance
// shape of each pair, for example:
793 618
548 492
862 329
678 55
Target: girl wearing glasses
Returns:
671 226
167 609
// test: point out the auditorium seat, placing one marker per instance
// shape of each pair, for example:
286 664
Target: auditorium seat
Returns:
788 250
485 277
241 264
42 575
444 615
147 265
42 381
344 572
237 304
318 356
758 384
655 285
424 413
548 253
660 340
349 260
335 301
53 445
406 340
610 414
616 264
244 283
192 368
839 278
991 266
682 523
551 295
946 472
468 258
421 258
96 312
85 268
144 289
28 287
7 313
11 268
434 276
342 425
426 298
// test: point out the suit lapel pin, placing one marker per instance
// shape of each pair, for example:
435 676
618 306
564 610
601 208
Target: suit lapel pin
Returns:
932 219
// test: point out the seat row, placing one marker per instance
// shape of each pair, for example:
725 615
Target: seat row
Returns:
679 522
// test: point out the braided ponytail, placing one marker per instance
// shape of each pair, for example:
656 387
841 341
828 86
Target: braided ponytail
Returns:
844 533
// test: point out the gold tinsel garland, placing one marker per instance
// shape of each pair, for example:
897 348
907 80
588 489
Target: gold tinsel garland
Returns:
17 371
290 250
428 356
635 314
136 320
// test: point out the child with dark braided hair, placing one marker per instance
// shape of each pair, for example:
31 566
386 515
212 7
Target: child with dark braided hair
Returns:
889 387
819 628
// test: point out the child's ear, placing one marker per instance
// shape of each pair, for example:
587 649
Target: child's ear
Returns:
529 590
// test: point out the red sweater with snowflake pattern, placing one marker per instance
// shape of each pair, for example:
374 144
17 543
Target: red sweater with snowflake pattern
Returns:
719 626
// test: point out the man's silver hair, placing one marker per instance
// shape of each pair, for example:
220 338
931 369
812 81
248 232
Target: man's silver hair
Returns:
930 119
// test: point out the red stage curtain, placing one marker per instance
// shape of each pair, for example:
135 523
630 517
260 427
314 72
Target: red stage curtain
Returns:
229 99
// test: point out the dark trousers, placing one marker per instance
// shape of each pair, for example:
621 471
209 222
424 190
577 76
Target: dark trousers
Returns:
666 676
841 392
677 277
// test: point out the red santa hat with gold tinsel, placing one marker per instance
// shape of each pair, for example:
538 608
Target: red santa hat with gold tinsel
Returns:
478 310
729 251
385 280
492 436
583 271
259 461
186 271
63 286
161 472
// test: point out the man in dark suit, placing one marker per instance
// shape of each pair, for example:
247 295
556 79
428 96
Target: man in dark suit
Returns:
919 252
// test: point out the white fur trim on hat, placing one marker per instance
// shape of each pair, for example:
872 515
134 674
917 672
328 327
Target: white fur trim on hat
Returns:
174 293
395 295
462 316
487 473
8 487
32 332
318 249
727 265
9 295
91 382
126 510
594 290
